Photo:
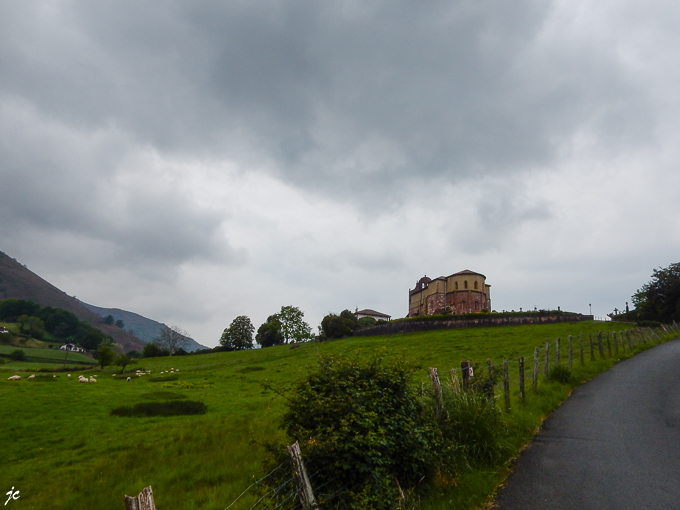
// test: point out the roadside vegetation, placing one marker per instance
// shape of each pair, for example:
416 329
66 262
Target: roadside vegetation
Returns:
87 458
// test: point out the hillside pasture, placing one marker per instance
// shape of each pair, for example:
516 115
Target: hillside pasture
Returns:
64 449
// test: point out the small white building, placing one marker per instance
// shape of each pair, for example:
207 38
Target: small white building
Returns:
71 348
367 312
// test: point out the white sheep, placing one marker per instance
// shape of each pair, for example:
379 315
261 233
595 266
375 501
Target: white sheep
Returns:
128 379
14 378
32 376
68 375
83 379
92 379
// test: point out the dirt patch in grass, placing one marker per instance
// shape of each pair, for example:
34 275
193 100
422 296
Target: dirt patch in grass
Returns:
172 408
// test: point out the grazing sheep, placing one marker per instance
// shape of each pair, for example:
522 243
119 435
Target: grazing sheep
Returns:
128 379
32 376
68 375
54 376
84 379
92 379
14 378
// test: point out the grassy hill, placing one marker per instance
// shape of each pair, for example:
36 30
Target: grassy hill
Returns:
16 281
67 451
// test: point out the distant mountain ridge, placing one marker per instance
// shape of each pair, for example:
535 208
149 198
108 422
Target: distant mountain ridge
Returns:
18 282
147 330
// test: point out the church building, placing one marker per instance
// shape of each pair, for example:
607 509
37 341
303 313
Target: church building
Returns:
462 292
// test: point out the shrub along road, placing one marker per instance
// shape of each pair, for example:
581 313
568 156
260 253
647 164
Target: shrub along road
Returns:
614 444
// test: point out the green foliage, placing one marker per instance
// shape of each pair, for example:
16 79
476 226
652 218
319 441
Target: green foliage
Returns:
561 373
18 355
472 427
659 300
11 309
362 428
270 333
120 324
153 351
239 334
123 360
171 408
366 322
108 320
105 356
31 325
339 326
293 326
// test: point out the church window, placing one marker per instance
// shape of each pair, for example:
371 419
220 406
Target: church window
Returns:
465 284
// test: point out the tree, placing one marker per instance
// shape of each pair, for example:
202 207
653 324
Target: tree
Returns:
105 355
31 325
120 324
659 300
18 355
123 360
239 334
172 338
293 327
270 333
152 350
339 326
108 319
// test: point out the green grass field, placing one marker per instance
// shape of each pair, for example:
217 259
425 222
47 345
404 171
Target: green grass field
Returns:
63 450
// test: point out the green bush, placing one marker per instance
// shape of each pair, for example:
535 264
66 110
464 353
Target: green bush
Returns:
363 432
561 373
18 355
171 408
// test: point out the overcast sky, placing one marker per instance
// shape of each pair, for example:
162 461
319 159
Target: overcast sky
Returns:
193 161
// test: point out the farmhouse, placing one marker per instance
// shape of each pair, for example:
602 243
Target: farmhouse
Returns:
367 312
462 292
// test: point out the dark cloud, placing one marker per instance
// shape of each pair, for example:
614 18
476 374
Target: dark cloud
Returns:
333 96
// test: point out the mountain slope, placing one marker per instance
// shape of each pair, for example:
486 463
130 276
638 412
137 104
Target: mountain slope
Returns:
147 330
18 282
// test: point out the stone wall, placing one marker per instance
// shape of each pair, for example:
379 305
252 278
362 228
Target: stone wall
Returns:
483 321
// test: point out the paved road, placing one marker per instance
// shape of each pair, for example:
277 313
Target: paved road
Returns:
614 444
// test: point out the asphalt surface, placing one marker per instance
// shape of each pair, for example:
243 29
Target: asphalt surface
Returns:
613 444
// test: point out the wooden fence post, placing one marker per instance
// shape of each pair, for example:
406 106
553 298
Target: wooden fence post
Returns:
521 377
535 367
571 352
592 348
557 351
599 344
580 348
305 492
490 369
547 359
629 339
609 345
623 340
506 384
455 381
465 366
143 501
616 344
437 389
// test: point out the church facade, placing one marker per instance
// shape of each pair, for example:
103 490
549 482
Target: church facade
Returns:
462 292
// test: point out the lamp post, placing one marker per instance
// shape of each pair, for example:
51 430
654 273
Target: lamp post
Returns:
590 309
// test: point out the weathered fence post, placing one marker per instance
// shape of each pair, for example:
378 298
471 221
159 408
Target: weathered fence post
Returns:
490 369
630 345
305 492
599 344
580 348
616 344
592 348
143 501
571 352
547 359
609 345
465 366
623 340
521 377
455 381
437 389
535 367
506 384
557 351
